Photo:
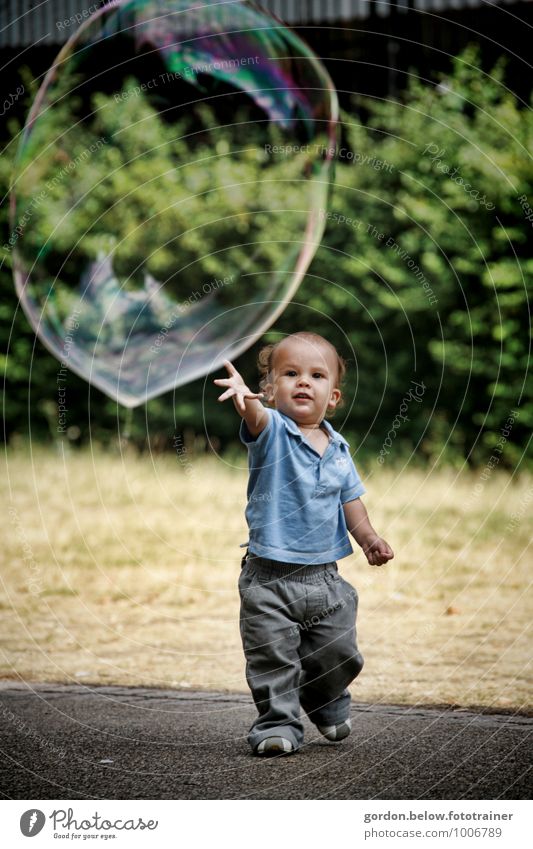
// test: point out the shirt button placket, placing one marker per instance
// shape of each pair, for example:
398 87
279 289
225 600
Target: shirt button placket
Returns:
318 486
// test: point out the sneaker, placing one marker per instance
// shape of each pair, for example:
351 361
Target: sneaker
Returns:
336 732
274 746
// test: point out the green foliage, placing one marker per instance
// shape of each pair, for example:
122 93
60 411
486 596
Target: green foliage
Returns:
436 270
429 280
114 196
143 186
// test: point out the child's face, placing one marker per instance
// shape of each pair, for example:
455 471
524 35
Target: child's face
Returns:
304 378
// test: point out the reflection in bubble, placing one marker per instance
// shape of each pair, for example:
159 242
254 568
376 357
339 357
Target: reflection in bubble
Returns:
168 188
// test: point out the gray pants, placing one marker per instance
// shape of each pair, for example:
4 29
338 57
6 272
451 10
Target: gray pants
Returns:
298 632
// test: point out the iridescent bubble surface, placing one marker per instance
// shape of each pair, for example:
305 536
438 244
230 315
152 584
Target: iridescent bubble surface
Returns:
170 190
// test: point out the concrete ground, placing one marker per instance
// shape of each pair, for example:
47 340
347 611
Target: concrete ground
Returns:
76 742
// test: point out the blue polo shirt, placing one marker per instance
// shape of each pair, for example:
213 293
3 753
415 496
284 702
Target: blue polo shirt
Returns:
295 496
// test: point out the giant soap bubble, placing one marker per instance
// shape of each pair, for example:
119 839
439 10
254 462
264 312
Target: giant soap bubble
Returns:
170 189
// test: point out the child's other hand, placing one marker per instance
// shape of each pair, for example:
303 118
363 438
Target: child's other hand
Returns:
237 388
378 552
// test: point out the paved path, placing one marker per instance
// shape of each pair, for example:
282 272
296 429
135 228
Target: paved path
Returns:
76 742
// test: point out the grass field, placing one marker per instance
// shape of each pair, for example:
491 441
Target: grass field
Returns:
123 569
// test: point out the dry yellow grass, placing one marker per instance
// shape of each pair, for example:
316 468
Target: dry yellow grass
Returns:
123 569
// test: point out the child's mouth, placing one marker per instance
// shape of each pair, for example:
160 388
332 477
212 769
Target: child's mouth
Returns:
302 396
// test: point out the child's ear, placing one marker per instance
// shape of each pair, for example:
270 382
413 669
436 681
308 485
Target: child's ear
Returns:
268 389
336 396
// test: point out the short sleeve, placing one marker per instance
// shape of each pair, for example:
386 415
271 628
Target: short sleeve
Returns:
352 486
259 444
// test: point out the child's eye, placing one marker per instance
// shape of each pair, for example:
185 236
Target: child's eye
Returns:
290 373
317 374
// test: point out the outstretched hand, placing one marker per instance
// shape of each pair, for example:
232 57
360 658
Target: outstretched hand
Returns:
378 552
237 388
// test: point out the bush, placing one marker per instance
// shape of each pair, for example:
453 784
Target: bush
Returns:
430 280
423 278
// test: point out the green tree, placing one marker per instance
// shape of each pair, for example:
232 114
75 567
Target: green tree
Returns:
424 273
432 279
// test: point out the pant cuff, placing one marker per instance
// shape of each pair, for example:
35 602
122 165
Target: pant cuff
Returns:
331 714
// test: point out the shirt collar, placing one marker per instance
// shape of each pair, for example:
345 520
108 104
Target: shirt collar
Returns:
293 428
336 437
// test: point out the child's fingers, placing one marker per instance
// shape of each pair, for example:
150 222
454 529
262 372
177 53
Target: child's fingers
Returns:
378 559
382 549
230 367
378 553
227 394
384 558
254 394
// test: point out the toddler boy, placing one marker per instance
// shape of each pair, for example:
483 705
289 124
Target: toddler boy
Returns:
298 615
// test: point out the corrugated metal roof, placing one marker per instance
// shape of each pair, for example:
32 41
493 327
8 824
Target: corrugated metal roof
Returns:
26 22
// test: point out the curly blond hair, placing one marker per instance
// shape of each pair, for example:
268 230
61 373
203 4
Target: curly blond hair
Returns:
265 361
